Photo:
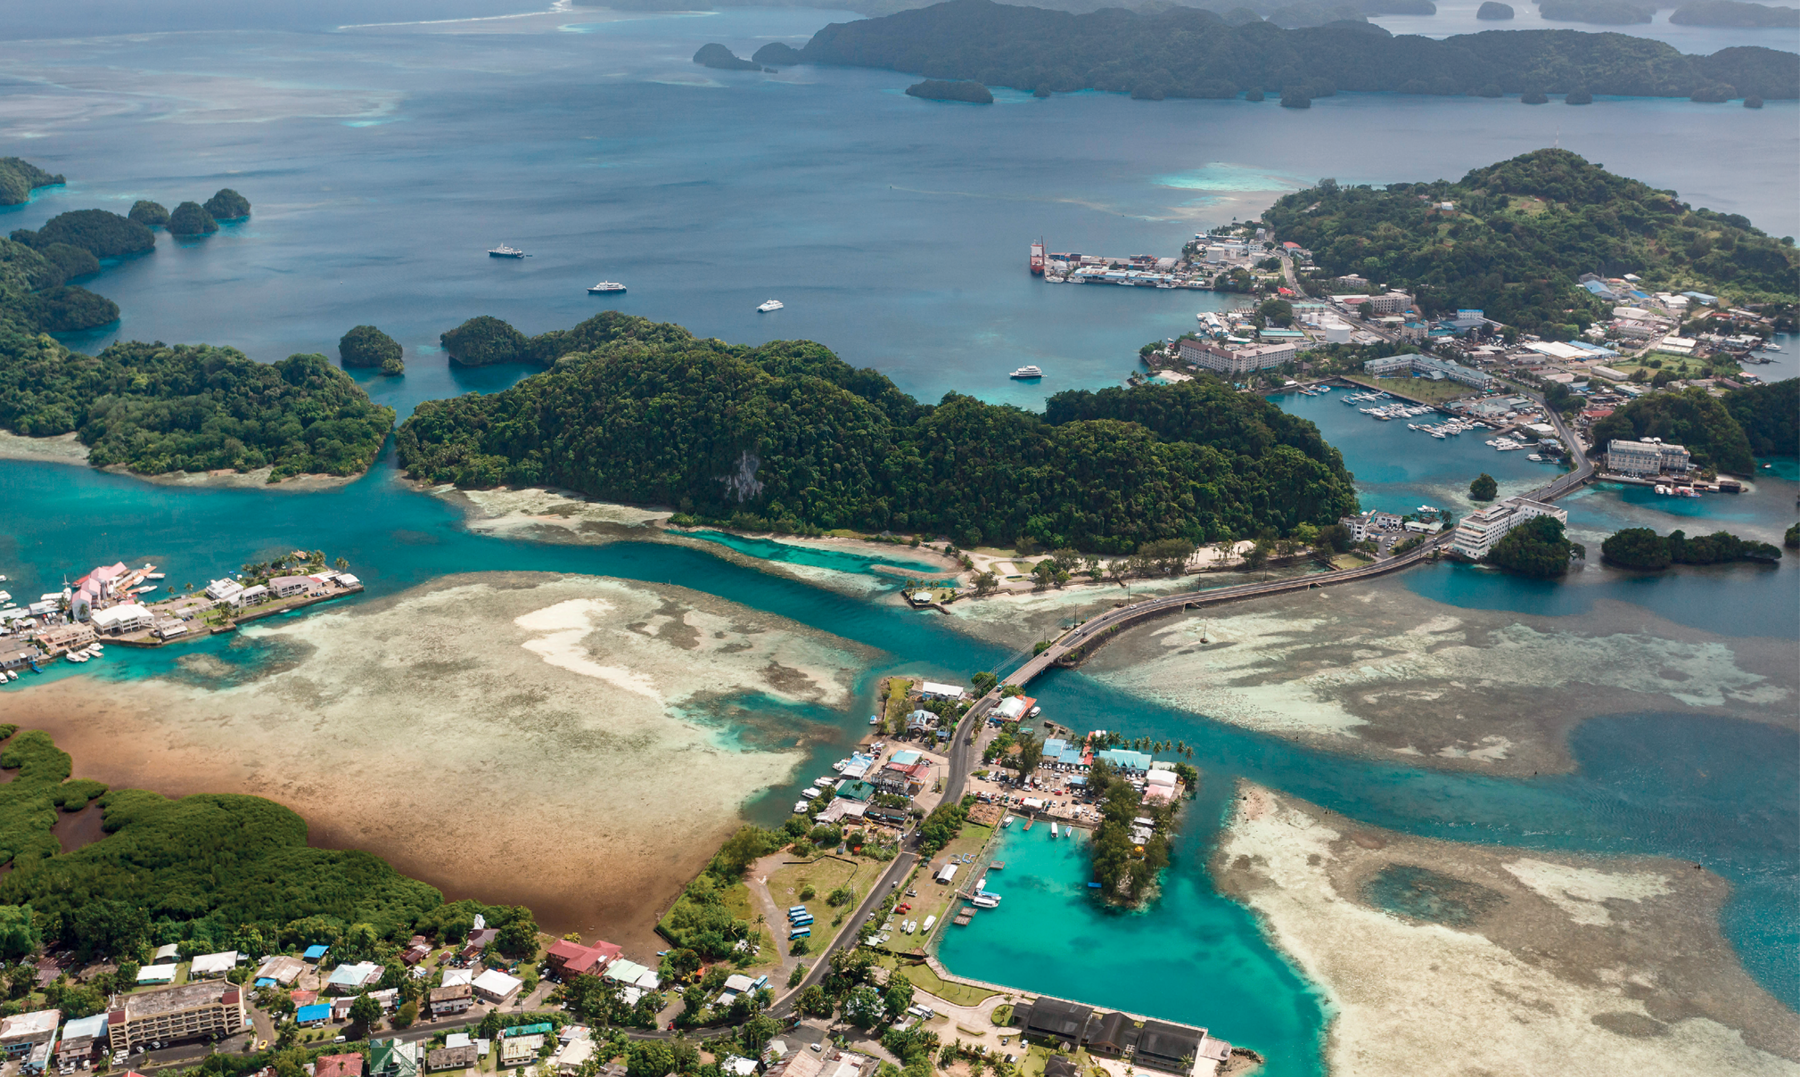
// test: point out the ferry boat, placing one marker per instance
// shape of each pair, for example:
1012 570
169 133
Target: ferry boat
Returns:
1026 373
504 251
985 901
605 287
773 304
1053 829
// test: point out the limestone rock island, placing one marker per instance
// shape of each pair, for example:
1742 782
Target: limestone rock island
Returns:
367 346
722 58
191 219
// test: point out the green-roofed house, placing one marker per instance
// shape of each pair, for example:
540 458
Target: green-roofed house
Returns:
394 1058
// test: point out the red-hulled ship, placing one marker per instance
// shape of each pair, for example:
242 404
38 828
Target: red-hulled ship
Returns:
1037 258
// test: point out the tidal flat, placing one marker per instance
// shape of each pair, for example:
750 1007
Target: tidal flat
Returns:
1440 957
1381 671
577 744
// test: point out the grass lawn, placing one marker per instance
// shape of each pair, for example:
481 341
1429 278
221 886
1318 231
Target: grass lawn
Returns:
1436 392
922 976
894 719
737 899
824 875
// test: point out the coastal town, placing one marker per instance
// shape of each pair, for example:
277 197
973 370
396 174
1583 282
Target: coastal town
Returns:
112 604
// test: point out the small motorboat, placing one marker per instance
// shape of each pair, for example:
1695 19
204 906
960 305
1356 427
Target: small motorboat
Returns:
771 305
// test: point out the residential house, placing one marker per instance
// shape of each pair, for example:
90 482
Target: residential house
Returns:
452 1058
354 977
78 1040
520 1050
446 1001
478 940
22 1032
394 1058
207 966
289 586
206 1010
345 1065
282 969
312 1016
316 953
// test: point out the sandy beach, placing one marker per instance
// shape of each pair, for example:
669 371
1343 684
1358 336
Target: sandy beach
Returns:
60 449
1522 963
1379 670
561 742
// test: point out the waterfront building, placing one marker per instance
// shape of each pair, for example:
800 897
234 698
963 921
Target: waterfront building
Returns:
207 1010
288 586
1476 535
1125 760
224 591
1243 359
1370 524
1062 1022
1646 459
933 690
572 958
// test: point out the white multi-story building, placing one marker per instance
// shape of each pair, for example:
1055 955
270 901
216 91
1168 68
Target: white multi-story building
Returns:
224 590
1242 360
1646 459
1430 366
1480 530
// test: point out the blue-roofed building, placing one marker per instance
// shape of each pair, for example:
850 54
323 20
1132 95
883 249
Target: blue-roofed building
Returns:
313 1016
1600 288
1058 750
904 759
314 953
1702 297
1127 760
266 981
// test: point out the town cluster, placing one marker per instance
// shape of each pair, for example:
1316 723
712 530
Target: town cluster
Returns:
112 604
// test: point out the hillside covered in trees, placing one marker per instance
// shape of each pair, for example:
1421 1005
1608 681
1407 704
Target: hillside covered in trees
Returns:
156 408
1521 233
787 435
1187 52
1725 435
18 178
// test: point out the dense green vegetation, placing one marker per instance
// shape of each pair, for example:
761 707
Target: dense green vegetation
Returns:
1184 52
105 234
149 214
1536 548
70 261
788 436
191 219
18 178
1692 418
1791 537
1642 548
1521 234
1734 13
1494 11
366 345
68 309
1484 488
700 920
227 205
1124 874
1769 416
209 867
939 90
155 408
719 57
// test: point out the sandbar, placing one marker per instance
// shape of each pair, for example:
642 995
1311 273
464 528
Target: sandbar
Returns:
57 449
577 744
1500 960
1378 670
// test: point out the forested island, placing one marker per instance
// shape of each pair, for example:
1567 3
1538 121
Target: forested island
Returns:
938 90
1520 233
154 408
722 58
1735 13
1722 434
1537 548
18 178
1187 52
787 436
1642 548
366 345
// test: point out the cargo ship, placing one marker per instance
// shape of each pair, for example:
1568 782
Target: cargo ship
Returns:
1037 258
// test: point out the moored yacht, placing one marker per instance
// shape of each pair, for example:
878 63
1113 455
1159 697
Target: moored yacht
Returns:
1026 372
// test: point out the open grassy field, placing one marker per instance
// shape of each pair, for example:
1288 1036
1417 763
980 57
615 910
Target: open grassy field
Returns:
1433 392
894 718
827 873
923 977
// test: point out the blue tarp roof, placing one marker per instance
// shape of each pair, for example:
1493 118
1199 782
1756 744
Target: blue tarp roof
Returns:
313 953
320 1011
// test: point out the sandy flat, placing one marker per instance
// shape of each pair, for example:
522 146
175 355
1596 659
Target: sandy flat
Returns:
553 741
1547 964
1379 670
61 449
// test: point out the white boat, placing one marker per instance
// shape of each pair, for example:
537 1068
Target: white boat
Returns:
96 648
1053 830
146 590
1026 372
606 287
504 251
985 901
76 657
154 575
1006 822
12 674
773 304
1535 456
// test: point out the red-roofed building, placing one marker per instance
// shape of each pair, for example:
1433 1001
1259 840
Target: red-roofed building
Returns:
304 998
338 1066
573 959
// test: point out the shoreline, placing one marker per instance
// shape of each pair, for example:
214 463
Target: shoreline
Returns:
68 449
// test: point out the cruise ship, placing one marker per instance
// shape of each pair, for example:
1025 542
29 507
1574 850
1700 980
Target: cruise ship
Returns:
605 287
1025 372
773 304
503 251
